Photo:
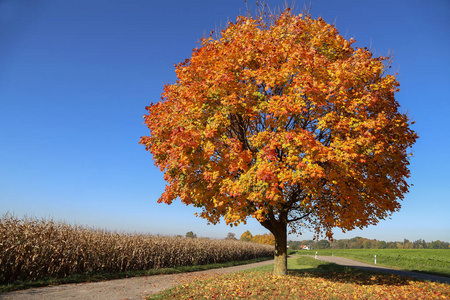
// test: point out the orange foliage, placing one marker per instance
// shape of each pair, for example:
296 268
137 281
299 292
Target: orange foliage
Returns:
266 238
285 122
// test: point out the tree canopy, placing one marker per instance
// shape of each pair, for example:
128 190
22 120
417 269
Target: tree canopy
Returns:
286 122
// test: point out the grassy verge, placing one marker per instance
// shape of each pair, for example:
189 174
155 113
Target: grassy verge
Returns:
94 277
428 261
307 279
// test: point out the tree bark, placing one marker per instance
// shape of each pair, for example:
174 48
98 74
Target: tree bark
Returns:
279 229
280 267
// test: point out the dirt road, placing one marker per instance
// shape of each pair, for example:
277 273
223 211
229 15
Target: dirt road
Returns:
121 289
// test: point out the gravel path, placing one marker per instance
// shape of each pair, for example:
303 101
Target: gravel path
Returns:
140 287
348 262
121 289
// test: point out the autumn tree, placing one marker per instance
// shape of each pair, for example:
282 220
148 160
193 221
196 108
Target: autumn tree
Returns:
285 121
266 238
246 236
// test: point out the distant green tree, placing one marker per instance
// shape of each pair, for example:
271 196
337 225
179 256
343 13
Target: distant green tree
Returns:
381 245
342 244
191 234
367 244
294 245
424 244
391 245
356 243
419 244
439 245
322 244
407 244
231 236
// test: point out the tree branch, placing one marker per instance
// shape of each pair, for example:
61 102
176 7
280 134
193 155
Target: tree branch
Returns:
299 218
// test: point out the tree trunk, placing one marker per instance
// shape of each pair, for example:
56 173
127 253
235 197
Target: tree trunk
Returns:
278 227
280 267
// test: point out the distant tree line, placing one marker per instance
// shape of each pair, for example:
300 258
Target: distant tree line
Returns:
363 243
354 243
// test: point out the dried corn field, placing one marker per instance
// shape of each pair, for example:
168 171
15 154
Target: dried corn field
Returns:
31 249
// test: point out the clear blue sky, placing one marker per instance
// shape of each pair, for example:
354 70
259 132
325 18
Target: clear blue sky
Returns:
76 75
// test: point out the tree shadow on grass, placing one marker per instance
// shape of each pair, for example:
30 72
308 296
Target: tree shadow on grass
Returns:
343 274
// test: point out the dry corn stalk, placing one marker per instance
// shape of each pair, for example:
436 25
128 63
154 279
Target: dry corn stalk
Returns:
31 249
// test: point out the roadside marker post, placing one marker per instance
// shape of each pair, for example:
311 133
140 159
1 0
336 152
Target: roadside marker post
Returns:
375 259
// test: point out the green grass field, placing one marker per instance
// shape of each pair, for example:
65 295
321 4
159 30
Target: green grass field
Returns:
307 279
430 261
